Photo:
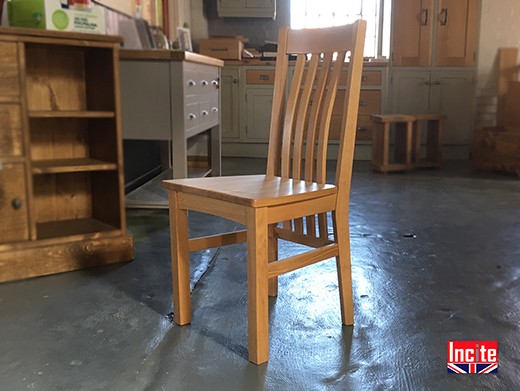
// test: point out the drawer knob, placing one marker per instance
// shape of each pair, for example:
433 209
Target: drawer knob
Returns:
214 109
204 112
361 128
192 116
235 81
16 203
264 77
215 83
204 82
191 83
364 78
363 103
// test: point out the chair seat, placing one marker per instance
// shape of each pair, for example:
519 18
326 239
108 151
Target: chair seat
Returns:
252 190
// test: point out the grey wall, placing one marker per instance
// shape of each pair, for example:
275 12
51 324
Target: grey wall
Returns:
256 29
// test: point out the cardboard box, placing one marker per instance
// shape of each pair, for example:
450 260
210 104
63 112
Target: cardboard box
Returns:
223 48
53 15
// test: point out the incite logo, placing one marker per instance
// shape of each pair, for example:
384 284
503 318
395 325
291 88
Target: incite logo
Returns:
472 356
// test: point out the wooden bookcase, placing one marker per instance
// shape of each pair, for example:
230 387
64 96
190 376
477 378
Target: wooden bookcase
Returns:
61 176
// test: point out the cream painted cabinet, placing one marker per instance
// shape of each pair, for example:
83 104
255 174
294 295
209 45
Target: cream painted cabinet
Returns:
229 90
447 28
446 92
247 8
259 104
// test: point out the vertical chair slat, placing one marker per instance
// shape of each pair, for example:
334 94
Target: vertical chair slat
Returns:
326 114
299 129
290 114
275 134
323 136
312 127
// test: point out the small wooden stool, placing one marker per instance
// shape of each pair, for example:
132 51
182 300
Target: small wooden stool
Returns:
402 146
434 127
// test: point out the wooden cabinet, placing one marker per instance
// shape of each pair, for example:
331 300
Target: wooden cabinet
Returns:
456 33
61 174
247 8
247 91
448 25
413 29
446 92
230 95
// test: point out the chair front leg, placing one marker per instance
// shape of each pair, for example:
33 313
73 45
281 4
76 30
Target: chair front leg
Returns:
341 236
180 261
273 256
257 285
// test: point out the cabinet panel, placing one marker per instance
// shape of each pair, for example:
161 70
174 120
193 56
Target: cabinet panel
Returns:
10 130
452 94
13 204
413 22
232 3
411 92
9 79
258 106
259 3
229 90
456 32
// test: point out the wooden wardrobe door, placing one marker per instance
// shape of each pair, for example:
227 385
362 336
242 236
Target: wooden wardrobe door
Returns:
413 22
456 33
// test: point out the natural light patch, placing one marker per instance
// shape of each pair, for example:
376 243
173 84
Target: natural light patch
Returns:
326 13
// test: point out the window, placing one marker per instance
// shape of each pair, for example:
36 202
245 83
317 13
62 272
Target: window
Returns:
325 13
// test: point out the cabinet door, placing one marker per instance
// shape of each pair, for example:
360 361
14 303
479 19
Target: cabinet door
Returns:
10 130
456 33
13 204
452 94
9 79
410 92
229 115
259 103
413 21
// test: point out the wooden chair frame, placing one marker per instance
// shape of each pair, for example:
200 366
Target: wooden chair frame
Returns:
262 201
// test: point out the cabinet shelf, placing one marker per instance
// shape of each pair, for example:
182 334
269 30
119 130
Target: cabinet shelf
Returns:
57 229
56 166
70 114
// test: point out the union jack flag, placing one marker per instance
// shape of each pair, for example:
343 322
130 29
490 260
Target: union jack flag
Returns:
472 368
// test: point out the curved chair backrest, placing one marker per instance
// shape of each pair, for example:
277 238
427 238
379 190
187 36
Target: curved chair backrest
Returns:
307 112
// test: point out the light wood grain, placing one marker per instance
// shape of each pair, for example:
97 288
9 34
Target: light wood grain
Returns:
251 190
33 261
456 33
306 240
333 39
180 261
260 76
301 209
85 227
206 242
272 255
169 55
70 114
412 38
53 36
301 260
215 207
257 285
9 73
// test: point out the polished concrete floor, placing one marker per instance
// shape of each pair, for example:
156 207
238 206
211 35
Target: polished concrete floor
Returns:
435 254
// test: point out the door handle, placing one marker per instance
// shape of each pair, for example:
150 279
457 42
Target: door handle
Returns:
264 77
437 83
363 103
16 203
235 81
445 21
425 11
361 128
364 78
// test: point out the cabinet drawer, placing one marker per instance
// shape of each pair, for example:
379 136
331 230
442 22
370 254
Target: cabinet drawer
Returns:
214 110
371 78
9 78
204 113
10 130
260 76
13 204
364 128
191 115
369 102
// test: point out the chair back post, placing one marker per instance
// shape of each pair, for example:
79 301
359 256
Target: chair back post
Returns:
350 115
276 130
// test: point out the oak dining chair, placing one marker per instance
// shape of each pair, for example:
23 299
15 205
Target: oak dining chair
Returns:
294 191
